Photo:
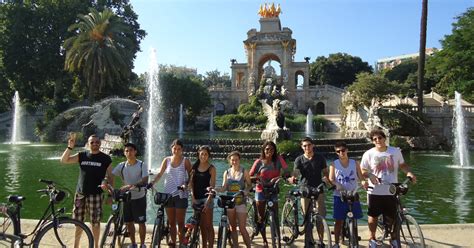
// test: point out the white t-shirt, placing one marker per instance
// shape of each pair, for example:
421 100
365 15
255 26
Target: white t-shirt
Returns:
383 165
132 174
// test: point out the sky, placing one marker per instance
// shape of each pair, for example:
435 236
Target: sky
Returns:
206 34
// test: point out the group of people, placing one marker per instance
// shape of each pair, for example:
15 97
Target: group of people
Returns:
378 168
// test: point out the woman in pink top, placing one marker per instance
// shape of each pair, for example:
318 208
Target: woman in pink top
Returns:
267 169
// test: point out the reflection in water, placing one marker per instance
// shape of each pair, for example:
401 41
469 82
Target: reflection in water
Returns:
461 202
12 182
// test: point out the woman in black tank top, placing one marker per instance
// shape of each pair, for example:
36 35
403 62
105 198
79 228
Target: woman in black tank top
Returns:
203 175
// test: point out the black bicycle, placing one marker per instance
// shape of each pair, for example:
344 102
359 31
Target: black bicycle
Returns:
225 202
52 230
270 218
161 228
252 215
192 228
314 226
349 227
408 232
115 230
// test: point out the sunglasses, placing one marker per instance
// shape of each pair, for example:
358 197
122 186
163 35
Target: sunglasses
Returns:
94 142
269 149
377 138
341 151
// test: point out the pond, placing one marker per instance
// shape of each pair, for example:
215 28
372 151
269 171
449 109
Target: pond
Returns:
442 195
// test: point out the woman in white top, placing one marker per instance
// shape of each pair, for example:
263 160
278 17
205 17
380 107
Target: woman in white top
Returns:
176 169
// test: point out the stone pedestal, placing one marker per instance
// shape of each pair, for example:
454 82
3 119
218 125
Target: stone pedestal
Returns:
276 135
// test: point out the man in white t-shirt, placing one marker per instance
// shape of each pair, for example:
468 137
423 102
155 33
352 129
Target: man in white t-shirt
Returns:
380 165
133 172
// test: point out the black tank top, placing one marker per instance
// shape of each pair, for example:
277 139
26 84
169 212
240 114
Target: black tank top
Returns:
201 180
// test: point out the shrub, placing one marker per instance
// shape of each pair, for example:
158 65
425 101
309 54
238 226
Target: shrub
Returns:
398 141
288 147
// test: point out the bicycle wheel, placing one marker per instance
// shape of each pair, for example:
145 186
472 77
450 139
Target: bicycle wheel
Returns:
108 236
221 237
194 243
353 233
9 240
275 240
251 219
63 234
7 223
288 223
381 233
410 233
321 234
157 232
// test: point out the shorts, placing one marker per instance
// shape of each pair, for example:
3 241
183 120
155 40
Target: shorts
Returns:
341 208
241 209
259 196
176 202
382 204
87 204
135 210
210 204
320 204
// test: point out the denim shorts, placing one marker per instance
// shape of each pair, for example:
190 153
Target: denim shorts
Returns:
203 200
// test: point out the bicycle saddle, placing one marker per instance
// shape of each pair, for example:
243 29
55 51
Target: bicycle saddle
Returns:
15 198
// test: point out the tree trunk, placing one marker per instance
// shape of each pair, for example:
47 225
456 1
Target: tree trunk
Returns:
421 57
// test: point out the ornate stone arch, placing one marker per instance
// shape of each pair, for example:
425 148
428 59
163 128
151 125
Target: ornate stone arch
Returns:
320 108
297 74
264 59
219 108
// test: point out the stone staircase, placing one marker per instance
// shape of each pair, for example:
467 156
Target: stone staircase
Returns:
250 148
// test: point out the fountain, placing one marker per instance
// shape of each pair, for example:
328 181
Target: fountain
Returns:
211 123
155 136
461 154
309 123
16 127
181 121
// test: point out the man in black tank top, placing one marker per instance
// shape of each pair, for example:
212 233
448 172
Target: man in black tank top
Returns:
94 166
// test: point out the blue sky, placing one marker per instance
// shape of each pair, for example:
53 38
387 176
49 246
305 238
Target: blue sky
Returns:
207 34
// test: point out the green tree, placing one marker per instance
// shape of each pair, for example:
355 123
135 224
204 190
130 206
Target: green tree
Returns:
368 86
401 72
179 89
338 69
99 50
214 78
453 66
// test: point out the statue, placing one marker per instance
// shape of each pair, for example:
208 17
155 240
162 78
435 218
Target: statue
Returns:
269 11
275 126
128 129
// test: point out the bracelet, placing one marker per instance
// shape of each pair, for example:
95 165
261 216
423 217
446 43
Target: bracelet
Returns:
70 148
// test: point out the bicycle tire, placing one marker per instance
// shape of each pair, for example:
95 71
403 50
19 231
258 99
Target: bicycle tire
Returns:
251 220
410 233
65 230
381 233
194 243
288 223
353 234
157 232
108 236
8 225
275 240
222 237
321 235
10 240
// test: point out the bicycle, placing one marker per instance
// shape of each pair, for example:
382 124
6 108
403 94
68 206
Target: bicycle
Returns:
115 229
311 219
349 227
252 215
225 202
408 232
52 230
271 213
192 229
160 230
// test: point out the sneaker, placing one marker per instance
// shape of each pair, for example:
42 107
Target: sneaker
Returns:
142 246
372 243
394 243
132 246
335 246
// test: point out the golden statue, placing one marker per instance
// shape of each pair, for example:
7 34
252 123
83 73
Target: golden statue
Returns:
269 11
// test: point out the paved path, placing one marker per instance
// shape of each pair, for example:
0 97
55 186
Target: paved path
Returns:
443 235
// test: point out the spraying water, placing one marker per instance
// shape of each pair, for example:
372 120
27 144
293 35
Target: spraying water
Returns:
181 121
461 154
155 132
309 123
16 127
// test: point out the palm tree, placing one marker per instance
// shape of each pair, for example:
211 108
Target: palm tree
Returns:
421 57
98 49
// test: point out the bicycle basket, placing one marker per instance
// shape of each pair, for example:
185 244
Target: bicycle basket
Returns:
122 196
225 201
58 195
161 198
